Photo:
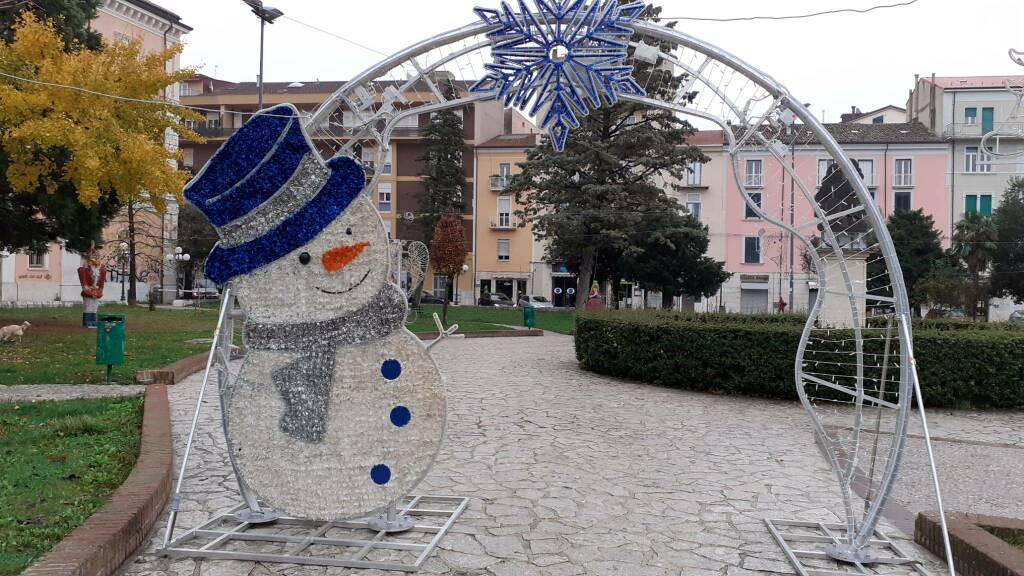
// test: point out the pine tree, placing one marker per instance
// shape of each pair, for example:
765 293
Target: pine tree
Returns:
587 200
444 176
70 18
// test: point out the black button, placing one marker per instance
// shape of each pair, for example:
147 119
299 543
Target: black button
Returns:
305 258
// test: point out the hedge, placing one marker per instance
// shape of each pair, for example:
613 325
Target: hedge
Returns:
754 356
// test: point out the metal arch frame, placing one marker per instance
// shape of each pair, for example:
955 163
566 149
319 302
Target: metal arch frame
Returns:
909 385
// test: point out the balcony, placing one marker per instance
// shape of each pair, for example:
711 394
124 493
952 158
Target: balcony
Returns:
500 183
214 132
504 222
957 131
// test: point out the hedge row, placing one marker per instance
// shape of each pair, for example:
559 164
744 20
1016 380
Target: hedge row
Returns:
731 354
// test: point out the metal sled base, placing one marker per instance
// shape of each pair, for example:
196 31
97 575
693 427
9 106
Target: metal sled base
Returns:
348 544
811 548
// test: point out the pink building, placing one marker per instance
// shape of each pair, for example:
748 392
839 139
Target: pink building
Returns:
905 166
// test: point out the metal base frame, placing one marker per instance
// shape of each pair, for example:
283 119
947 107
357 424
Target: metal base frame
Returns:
820 549
345 544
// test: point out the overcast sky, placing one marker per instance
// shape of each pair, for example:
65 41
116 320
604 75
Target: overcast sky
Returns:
833 62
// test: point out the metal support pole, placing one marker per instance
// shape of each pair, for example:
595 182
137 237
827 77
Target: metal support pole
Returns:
905 328
263 25
176 497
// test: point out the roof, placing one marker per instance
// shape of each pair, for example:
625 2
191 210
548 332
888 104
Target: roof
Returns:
707 138
902 133
160 11
511 141
975 82
861 115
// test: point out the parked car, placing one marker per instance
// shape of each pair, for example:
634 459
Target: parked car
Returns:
535 301
1017 316
426 298
498 300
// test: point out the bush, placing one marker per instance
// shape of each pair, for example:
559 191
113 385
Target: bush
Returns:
754 355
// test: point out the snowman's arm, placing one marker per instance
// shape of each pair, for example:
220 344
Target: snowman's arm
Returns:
442 333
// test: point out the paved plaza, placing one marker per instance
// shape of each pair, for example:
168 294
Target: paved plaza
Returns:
571 473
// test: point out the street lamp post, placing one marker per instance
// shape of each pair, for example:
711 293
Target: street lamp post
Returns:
178 257
267 15
123 260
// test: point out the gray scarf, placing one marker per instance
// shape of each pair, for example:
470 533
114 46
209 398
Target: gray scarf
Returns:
305 384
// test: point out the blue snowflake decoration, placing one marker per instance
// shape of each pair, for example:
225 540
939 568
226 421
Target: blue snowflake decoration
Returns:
564 59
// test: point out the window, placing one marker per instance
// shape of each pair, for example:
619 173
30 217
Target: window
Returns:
440 286
904 176
970 116
867 168
188 158
976 161
987 120
752 250
504 169
693 177
384 197
878 120
749 212
903 201
37 260
975 203
504 254
755 174
389 228
409 122
693 205
504 211
823 165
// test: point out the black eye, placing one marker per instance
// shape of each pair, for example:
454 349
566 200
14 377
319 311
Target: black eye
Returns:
348 231
304 258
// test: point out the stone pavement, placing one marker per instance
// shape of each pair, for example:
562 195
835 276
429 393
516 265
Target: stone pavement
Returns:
42 392
571 473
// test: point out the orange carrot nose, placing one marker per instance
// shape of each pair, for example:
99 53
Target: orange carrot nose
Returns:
337 258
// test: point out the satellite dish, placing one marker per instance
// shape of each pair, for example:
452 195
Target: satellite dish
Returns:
409 216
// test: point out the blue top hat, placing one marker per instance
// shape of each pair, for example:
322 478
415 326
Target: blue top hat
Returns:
267 192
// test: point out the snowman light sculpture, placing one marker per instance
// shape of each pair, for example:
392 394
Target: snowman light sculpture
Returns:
337 411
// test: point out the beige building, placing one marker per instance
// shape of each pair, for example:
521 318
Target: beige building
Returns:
52 277
885 115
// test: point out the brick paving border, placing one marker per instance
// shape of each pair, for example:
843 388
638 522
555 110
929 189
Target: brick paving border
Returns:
115 531
976 552
173 373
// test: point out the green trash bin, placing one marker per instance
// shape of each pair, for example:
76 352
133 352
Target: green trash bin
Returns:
529 317
110 341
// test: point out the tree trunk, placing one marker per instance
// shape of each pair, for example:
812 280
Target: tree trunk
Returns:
132 288
444 307
616 281
667 300
585 278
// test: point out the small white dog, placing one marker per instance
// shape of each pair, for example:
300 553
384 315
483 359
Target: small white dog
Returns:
12 332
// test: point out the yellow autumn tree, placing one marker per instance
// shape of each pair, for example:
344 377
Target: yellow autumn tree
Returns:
54 135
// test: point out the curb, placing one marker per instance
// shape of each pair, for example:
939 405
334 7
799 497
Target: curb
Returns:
173 373
976 552
485 334
111 535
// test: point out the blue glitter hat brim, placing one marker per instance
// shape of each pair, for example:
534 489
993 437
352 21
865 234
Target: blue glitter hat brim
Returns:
344 185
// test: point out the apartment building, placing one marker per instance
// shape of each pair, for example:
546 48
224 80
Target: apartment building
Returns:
52 276
963 109
496 140
904 168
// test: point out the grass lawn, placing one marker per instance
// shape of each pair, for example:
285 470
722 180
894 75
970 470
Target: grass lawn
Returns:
57 350
60 462
471 318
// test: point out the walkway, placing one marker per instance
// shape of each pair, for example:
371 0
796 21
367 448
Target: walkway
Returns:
42 392
571 473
